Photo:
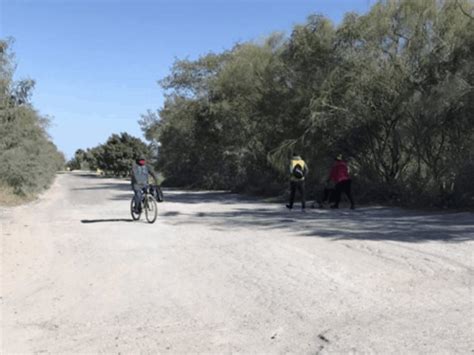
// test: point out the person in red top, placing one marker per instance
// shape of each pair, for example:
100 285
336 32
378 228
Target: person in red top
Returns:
340 176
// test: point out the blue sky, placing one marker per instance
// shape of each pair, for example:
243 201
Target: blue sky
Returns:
96 63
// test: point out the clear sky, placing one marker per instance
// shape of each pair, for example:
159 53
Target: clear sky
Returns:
96 63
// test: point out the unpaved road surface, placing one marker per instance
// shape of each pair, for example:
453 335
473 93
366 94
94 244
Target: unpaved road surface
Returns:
224 274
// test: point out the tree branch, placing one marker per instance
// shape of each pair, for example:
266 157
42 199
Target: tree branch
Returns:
464 11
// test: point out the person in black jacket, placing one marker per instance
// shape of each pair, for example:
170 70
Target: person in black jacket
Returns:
139 179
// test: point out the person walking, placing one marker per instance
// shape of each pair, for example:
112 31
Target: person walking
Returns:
340 176
298 171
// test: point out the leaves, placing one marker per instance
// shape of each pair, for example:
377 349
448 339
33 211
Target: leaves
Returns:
115 157
29 159
391 89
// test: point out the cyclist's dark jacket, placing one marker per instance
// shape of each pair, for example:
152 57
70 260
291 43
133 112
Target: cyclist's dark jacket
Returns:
140 174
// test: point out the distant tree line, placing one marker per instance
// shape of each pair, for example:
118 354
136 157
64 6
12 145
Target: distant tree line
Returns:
115 157
28 158
392 90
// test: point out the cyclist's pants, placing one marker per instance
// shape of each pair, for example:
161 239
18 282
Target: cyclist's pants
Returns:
138 190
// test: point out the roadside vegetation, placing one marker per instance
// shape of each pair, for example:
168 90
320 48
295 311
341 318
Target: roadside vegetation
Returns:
28 158
114 158
392 90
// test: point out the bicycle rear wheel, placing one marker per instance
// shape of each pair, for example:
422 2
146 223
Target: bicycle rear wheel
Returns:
151 209
135 216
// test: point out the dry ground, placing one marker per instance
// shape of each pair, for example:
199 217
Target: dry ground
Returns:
224 274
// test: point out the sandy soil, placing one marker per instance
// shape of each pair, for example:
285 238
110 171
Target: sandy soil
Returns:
224 274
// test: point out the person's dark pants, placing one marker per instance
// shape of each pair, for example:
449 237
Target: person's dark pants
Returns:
328 195
343 186
138 190
297 185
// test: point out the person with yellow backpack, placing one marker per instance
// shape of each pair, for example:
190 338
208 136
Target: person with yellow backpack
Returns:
298 171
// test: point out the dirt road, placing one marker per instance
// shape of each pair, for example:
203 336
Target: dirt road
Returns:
220 273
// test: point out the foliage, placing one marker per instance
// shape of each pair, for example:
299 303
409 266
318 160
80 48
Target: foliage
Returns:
29 158
115 157
392 90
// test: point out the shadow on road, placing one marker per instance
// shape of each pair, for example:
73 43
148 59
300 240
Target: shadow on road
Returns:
170 214
368 223
106 220
84 174
123 192
191 197
365 223
105 186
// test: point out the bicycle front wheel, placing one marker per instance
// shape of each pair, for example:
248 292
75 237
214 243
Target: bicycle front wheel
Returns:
151 209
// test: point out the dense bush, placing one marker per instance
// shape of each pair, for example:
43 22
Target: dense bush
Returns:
28 158
115 157
392 90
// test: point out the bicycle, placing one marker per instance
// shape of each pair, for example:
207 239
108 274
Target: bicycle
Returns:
148 204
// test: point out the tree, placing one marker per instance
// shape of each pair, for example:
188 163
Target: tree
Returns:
29 158
391 89
115 157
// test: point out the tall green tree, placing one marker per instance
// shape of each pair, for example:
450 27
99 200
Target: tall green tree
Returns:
391 89
117 155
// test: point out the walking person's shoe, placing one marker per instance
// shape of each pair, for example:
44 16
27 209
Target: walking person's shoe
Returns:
334 206
289 207
352 207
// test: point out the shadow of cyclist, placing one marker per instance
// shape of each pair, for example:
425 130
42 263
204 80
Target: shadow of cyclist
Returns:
106 220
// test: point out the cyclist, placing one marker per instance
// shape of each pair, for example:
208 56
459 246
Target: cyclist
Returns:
140 173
